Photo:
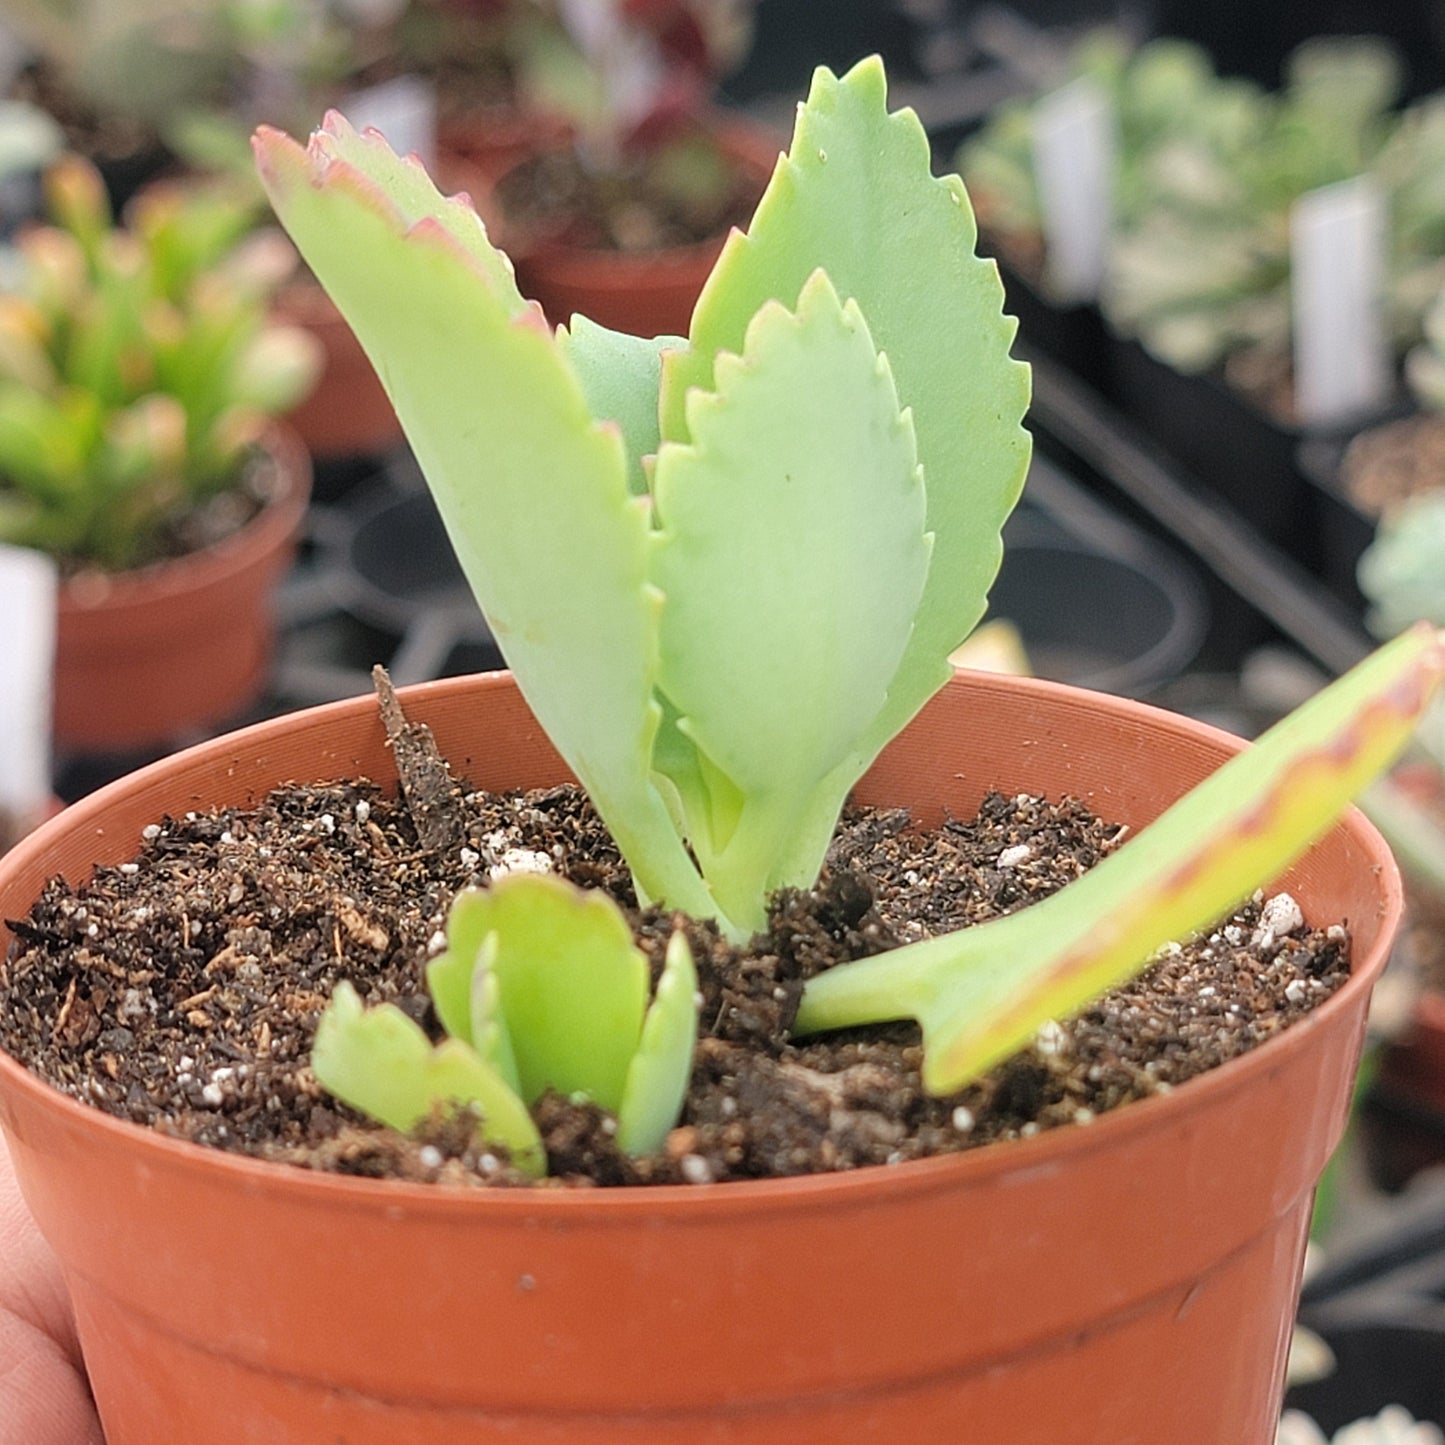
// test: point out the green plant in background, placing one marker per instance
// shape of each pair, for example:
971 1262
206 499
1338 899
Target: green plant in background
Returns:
1166 99
197 74
1202 274
137 366
726 569
1401 578
1425 365
1208 169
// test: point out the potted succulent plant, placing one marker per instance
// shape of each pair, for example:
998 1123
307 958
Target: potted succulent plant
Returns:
138 380
622 219
726 572
1198 286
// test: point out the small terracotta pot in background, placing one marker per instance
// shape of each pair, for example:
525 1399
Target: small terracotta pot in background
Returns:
644 293
1133 1280
143 658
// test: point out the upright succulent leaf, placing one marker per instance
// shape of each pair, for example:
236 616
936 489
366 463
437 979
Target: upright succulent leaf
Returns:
621 376
982 993
658 1075
533 491
854 196
791 555
380 1061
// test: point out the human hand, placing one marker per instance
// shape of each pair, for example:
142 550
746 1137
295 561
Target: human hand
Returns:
44 1397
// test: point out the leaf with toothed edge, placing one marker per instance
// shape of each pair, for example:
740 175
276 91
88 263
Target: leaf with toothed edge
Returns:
982 993
380 1061
792 554
854 196
532 490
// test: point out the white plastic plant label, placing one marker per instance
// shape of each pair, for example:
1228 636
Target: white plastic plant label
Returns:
1074 158
404 110
28 585
1337 281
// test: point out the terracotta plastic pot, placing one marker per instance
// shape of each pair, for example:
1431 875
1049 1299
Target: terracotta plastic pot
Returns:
1132 1281
146 657
645 293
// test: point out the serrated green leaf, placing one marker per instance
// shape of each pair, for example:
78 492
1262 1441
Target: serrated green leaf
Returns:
621 375
533 491
380 1061
982 993
855 197
658 1075
791 554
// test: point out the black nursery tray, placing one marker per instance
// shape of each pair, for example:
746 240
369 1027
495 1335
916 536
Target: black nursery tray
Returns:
1379 1304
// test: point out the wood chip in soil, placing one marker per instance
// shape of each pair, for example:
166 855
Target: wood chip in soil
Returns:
181 990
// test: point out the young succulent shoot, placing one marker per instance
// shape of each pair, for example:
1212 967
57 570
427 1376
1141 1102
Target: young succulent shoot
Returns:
137 365
726 569
540 987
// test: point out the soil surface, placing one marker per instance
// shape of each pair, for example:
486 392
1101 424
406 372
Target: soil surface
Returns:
680 193
1390 464
181 989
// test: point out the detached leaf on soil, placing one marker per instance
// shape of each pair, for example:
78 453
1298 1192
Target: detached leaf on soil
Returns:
983 993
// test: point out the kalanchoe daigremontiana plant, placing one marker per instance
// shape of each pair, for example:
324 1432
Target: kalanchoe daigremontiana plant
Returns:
726 569
137 365
719 602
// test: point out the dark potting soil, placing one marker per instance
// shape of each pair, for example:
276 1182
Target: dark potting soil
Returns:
1389 464
678 194
181 989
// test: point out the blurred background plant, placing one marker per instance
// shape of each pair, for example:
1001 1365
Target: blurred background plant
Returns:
1208 170
126 77
632 82
138 370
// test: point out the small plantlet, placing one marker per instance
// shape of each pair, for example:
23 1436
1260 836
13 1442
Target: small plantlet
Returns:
137 365
540 987
726 569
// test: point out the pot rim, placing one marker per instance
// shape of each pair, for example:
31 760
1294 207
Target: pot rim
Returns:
843 1189
174 577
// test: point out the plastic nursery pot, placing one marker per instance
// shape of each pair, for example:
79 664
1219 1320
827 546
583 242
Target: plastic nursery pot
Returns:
646 293
1239 453
145 657
1131 1280
1378 1363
